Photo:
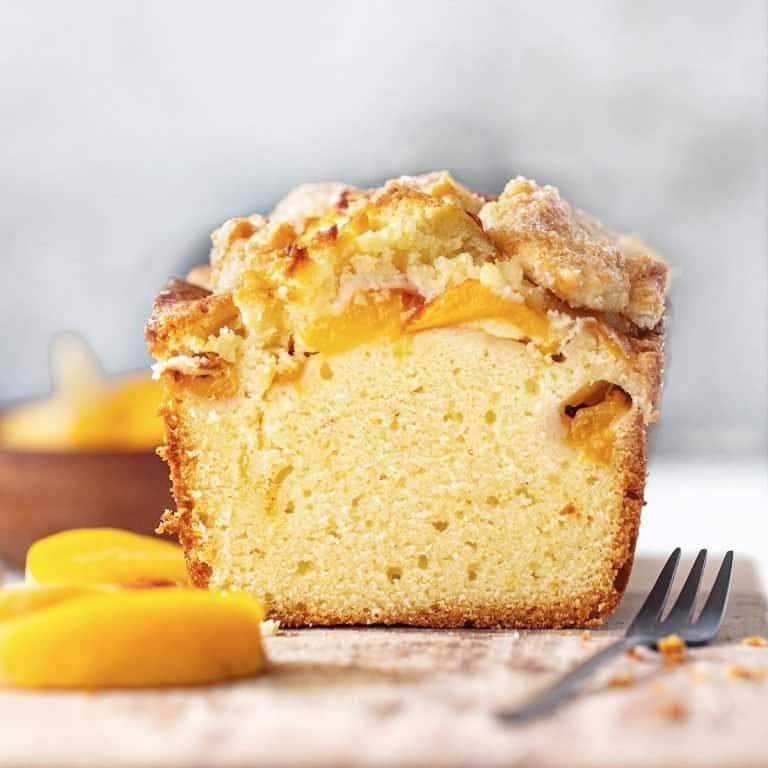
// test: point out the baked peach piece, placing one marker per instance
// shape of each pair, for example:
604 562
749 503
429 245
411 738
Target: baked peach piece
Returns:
413 404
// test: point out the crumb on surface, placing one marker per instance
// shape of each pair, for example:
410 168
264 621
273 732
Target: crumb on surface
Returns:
270 627
697 675
755 641
622 680
739 672
586 636
672 649
634 654
675 710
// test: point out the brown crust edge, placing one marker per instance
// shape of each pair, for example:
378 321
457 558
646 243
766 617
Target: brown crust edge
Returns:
172 308
185 308
182 522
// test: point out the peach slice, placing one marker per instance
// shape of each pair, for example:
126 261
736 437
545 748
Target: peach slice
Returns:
373 316
367 318
19 600
105 556
590 419
470 301
134 639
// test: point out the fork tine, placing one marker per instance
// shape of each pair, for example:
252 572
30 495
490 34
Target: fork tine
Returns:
686 601
654 603
714 609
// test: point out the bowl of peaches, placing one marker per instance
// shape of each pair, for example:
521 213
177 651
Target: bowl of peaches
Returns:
82 457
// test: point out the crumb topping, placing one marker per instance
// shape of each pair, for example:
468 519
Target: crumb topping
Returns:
573 255
420 252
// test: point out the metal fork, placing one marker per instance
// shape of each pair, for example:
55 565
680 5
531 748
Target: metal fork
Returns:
647 628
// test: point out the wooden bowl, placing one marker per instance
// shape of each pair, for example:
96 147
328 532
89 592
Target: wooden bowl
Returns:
45 492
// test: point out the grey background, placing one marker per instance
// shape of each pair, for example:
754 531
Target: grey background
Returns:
129 130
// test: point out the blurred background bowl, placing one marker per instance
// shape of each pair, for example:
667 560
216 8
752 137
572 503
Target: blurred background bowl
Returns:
43 492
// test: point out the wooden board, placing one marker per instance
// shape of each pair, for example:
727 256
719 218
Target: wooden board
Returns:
375 697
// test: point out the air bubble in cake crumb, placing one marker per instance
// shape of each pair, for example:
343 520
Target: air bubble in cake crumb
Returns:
394 573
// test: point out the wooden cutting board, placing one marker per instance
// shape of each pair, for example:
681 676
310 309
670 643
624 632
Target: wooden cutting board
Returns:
410 697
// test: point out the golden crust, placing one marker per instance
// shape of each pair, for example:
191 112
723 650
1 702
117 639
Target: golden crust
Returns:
184 310
647 355
308 220
309 202
256 241
396 238
314 201
575 256
589 610
324 241
441 186
183 521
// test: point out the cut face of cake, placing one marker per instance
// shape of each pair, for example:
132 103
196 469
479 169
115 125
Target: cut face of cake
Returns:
413 404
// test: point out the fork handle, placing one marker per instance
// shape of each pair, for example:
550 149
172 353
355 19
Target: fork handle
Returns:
565 688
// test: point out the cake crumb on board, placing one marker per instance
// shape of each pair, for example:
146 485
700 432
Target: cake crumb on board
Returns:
269 627
739 672
634 654
622 680
674 710
672 649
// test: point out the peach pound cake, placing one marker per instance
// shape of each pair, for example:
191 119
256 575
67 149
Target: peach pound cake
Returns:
413 404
